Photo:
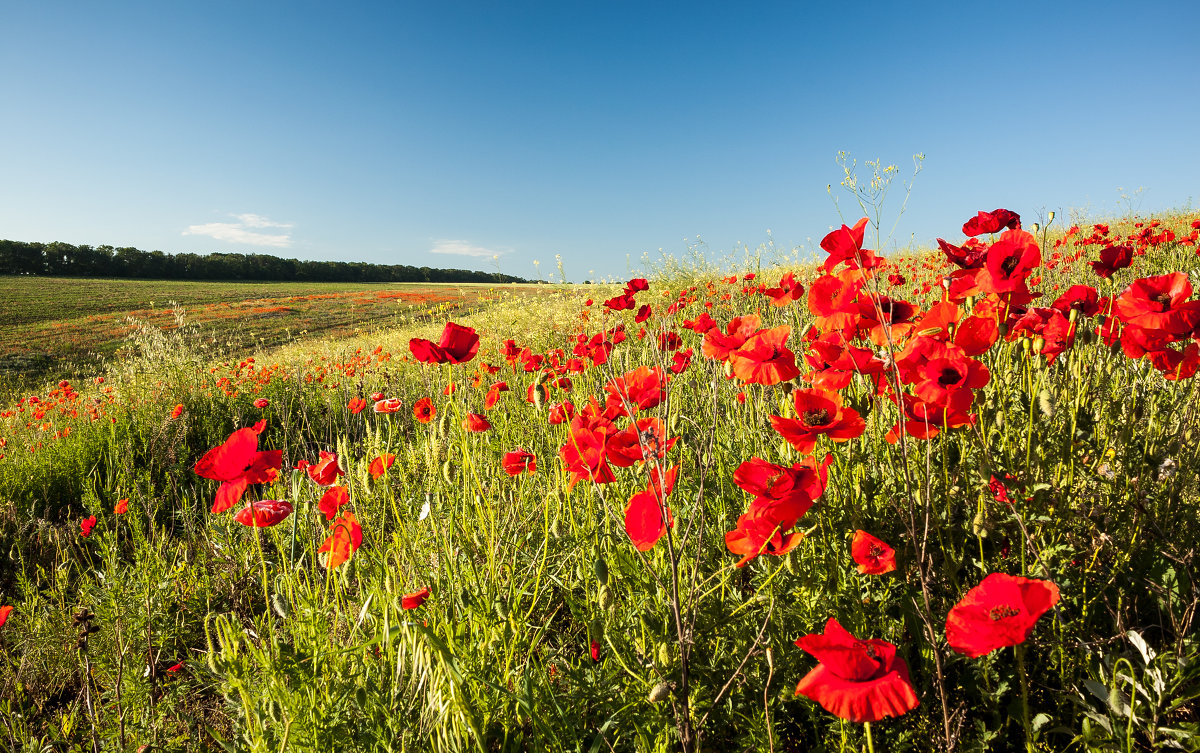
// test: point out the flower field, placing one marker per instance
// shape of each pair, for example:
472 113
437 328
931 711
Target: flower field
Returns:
944 500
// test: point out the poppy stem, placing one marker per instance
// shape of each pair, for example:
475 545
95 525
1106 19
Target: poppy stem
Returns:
1020 652
870 742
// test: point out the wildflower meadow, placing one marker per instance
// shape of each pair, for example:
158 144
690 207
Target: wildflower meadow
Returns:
933 501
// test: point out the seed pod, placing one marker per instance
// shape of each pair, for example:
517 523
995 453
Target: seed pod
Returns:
279 606
660 692
360 697
1046 403
539 396
448 472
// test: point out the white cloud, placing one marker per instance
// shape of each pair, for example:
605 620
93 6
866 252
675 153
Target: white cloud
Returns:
463 248
238 232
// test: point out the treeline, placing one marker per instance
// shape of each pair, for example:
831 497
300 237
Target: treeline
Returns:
60 259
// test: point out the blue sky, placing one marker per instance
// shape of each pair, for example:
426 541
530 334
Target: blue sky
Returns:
445 133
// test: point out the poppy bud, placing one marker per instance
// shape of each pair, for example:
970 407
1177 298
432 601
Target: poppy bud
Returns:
500 607
539 396
600 567
448 472
606 597
1039 343
360 697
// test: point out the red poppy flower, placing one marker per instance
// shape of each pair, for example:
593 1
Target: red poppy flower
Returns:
681 360
376 396
1160 303
415 599
970 255
380 465
493 395
388 406
820 413
237 463
458 344
4 612
788 291
1001 611
264 514
1112 258
178 411
121 507
638 442
344 540
585 453
765 359
718 345
644 515
86 525
262 402
992 222
844 244
640 389
476 422
357 405
872 555
424 411
334 498
1009 262
326 470
1082 298
860 681
519 461
594 649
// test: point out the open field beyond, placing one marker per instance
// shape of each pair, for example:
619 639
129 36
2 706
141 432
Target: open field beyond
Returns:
68 326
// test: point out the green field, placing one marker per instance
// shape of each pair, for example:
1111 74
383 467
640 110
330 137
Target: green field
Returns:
65 327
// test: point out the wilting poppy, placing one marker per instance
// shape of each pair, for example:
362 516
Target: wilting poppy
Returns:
334 498
476 422
872 555
424 411
343 541
326 470
86 525
121 507
518 462
4 612
356 405
387 406
860 681
237 463
415 599
458 344
264 514
493 395
380 465
262 402
1001 611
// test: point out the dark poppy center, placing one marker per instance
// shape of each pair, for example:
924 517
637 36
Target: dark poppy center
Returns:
1163 299
949 376
1009 264
649 439
1001 612
875 551
816 417
867 647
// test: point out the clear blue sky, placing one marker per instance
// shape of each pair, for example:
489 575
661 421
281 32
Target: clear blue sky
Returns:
440 133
